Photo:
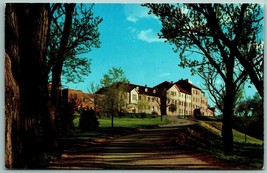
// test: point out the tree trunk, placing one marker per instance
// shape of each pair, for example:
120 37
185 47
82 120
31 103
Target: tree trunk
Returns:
57 69
112 120
228 110
12 106
227 133
26 26
12 93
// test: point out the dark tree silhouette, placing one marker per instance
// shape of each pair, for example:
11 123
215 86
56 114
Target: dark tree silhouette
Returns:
217 37
25 47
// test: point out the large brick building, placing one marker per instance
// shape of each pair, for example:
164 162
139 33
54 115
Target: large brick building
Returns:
160 99
82 100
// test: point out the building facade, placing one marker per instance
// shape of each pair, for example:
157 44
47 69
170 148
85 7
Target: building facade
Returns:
81 100
180 98
142 99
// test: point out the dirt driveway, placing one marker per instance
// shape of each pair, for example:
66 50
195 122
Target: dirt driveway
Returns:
145 149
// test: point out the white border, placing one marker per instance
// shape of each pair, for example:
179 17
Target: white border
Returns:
2 90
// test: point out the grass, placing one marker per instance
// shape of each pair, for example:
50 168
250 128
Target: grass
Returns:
204 137
121 126
207 137
134 123
215 127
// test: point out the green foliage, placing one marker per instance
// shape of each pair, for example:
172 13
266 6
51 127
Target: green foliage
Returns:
114 76
83 37
207 137
137 115
172 107
217 41
249 116
208 36
114 89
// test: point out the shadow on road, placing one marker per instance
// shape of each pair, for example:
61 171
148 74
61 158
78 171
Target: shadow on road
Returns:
145 149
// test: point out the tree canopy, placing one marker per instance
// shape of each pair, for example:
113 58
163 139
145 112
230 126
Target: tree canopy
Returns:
114 86
211 29
219 42
84 36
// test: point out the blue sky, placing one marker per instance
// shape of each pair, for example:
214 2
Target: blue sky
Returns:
129 40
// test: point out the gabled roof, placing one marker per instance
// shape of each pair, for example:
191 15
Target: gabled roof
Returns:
187 86
164 85
167 85
182 90
143 90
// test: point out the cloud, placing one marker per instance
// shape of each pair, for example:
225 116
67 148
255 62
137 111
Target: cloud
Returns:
132 30
165 75
149 36
135 12
132 19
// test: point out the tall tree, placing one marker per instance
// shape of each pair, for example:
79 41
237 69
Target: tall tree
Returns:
92 90
57 68
73 31
200 33
114 88
25 47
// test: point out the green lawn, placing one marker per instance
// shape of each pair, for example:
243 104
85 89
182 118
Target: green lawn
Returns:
215 127
127 122
132 122
207 137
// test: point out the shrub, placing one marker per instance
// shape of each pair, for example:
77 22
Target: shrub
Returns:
88 121
154 113
143 115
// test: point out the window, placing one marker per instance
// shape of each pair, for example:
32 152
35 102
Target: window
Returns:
148 98
173 93
134 97
153 99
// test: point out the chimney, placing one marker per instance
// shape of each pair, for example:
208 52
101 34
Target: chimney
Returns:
188 81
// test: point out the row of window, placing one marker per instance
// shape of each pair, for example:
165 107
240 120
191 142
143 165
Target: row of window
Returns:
152 108
173 93
199 100
181 111
134 97
181 103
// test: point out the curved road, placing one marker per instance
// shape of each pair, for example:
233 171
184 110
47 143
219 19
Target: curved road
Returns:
146 149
